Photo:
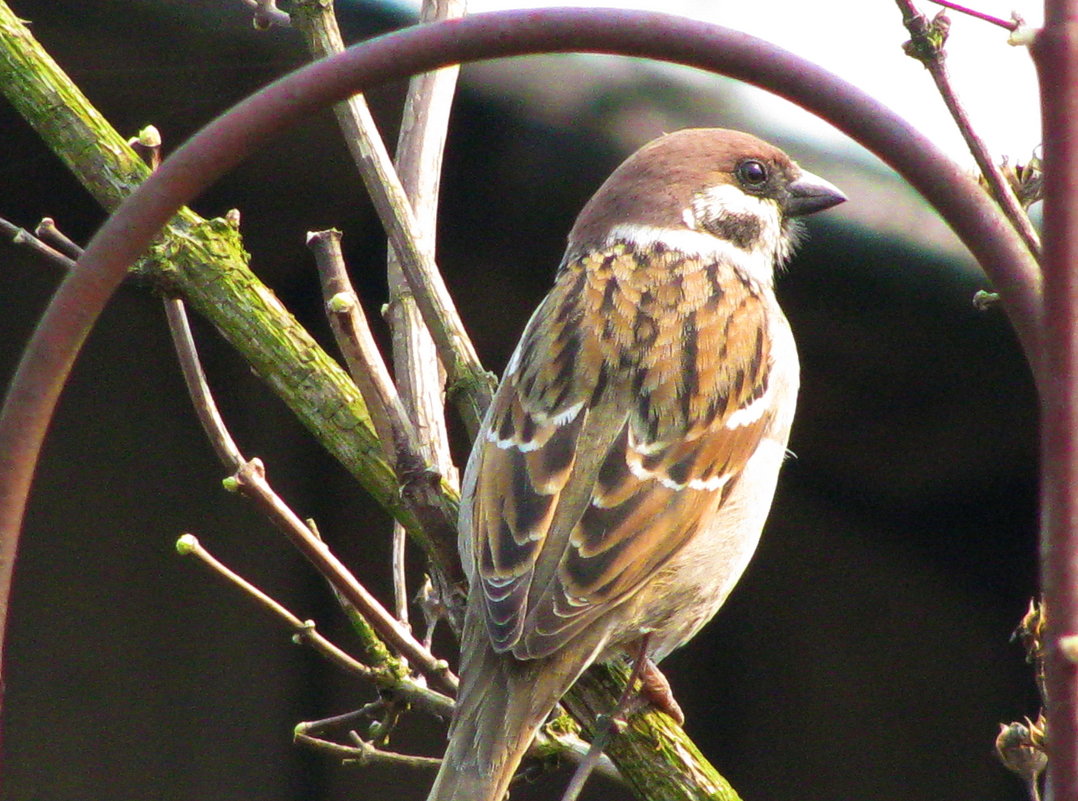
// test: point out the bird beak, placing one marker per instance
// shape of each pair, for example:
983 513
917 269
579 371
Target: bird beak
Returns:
809 194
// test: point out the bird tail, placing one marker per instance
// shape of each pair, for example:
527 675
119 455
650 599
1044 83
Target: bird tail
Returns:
501 704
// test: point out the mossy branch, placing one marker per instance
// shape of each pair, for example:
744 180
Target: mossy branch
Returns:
654 755
204 262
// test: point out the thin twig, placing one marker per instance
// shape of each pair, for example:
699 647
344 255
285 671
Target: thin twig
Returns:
148 145
419 484
570 747
926 45
606 729
473 386
374 648
399 567
610 725
48 232
188 545
20 236
404 687
357 345
348 719
1010 25
198 387
419 371
418 162
363 753
251 481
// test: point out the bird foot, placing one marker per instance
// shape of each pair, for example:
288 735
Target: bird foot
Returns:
656 689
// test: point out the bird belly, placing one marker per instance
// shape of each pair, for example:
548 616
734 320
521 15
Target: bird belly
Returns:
688 591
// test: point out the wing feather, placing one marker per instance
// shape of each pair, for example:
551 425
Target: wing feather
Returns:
637 394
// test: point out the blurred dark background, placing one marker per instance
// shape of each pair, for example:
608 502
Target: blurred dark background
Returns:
864 655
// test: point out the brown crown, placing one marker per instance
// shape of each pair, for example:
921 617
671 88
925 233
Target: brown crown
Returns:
656 184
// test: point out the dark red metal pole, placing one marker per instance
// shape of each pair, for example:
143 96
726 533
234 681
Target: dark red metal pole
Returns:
1056 54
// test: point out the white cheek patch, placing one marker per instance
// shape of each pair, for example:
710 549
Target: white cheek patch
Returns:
771 246
728 199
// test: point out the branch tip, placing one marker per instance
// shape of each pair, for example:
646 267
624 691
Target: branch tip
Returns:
187 545
342 303
1010 25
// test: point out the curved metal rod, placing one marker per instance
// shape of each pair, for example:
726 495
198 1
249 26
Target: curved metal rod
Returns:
227 140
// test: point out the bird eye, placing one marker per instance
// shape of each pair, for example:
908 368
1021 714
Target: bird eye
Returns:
751 173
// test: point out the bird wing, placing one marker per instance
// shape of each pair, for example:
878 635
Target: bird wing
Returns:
636 396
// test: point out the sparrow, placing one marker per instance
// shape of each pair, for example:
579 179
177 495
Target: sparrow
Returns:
621 478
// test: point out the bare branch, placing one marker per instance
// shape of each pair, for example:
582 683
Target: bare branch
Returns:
198 388
20 236
148 145
188 545
348 719
926 45
182 338
48 232
419 485
473 385
400 583
403 686
1010 25
363 753
606 728
418 162
547 744
251 481
179 326
420 374
357 345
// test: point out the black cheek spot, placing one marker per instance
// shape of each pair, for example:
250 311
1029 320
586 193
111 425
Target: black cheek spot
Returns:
743 230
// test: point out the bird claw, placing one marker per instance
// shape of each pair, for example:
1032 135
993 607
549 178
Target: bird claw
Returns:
655 687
